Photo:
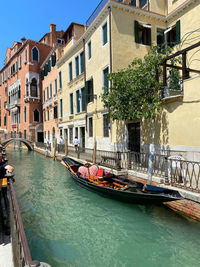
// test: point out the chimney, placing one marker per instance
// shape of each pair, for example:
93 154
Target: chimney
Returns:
23 39
52 27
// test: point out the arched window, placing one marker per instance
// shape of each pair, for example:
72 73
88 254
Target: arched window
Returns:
34 88
36 115
35 54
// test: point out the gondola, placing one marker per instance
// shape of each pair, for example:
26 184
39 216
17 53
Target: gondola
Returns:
121 189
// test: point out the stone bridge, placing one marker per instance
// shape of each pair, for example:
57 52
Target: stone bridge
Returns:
5 143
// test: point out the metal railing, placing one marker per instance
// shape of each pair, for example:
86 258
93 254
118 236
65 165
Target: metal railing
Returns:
21 253
179 173
96 12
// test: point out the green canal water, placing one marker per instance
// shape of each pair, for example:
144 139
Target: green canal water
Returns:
66 225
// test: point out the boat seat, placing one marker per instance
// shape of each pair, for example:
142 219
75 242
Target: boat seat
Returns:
100 172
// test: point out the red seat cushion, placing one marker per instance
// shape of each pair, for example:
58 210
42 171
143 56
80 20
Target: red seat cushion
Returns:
100 172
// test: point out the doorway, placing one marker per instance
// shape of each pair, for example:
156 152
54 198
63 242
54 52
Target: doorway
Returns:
82 137
40 137
134 136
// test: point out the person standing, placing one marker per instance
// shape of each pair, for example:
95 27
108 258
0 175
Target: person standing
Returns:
76 143
61 142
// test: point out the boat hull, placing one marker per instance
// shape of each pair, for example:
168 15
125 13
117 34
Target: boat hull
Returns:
157 197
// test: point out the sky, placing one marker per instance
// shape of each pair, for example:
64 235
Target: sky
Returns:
31 18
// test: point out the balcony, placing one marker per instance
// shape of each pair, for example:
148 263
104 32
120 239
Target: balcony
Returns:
55 98
14 104
47 103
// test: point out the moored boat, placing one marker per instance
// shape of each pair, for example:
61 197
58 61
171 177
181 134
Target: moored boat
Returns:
122 189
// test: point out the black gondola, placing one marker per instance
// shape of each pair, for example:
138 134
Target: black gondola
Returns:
131 192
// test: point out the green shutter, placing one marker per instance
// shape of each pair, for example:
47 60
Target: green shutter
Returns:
42 75
82 62
87 91
45 70
77 101
148 36
83 99
91 90
178 31
136 30
49 65
105 39
53 60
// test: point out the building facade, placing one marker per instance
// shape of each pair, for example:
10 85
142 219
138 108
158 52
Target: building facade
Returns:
21 86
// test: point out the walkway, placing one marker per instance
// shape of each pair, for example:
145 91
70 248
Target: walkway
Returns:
6 257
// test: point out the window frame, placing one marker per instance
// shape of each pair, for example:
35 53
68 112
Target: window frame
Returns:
89 50
104 42
90 126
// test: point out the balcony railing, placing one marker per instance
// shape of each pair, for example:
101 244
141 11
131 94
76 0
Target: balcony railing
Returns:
47 103
96 12
55 98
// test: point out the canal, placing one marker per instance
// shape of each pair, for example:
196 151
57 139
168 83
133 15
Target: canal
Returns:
66 225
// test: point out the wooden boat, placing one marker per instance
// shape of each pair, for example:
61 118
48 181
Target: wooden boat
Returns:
121 189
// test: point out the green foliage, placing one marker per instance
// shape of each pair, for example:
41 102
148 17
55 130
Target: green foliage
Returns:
173 79
135 92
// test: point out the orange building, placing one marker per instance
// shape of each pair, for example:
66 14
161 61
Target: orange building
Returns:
21 85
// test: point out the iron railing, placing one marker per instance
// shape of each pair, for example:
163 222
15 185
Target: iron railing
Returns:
21 253
96 12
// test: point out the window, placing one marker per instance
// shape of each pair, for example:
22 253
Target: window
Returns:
16 64
44 96
90 132
104 34
60 80
89 50
55 112
77 66
76 132
89 91
48 115
33 88
47 93
173 34
106 125
105 79
71 135
50 90
55 83
83 99
20 62
160 37
142 3
53 60
61 108
142 33
49 65
35 54
77 101
70 72
24 114
5 120
44 116
71 103
36 115
82 63
132 3
26 56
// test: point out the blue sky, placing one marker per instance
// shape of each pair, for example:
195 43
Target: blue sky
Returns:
31 18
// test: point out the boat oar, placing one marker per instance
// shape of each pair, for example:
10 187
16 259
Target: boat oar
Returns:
68 166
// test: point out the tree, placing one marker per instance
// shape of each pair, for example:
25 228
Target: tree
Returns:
135 92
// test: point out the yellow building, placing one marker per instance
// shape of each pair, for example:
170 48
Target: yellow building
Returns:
115 34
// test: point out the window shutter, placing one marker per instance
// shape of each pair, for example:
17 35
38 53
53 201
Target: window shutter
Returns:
87 92
82 62
49 65
105 34
42 75
45 70
136 29
77 101
91 90
178 31
83 99
148 36
53 60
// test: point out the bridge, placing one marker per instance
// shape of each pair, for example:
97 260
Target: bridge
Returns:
5 143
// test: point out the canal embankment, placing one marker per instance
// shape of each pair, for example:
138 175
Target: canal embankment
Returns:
188 207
